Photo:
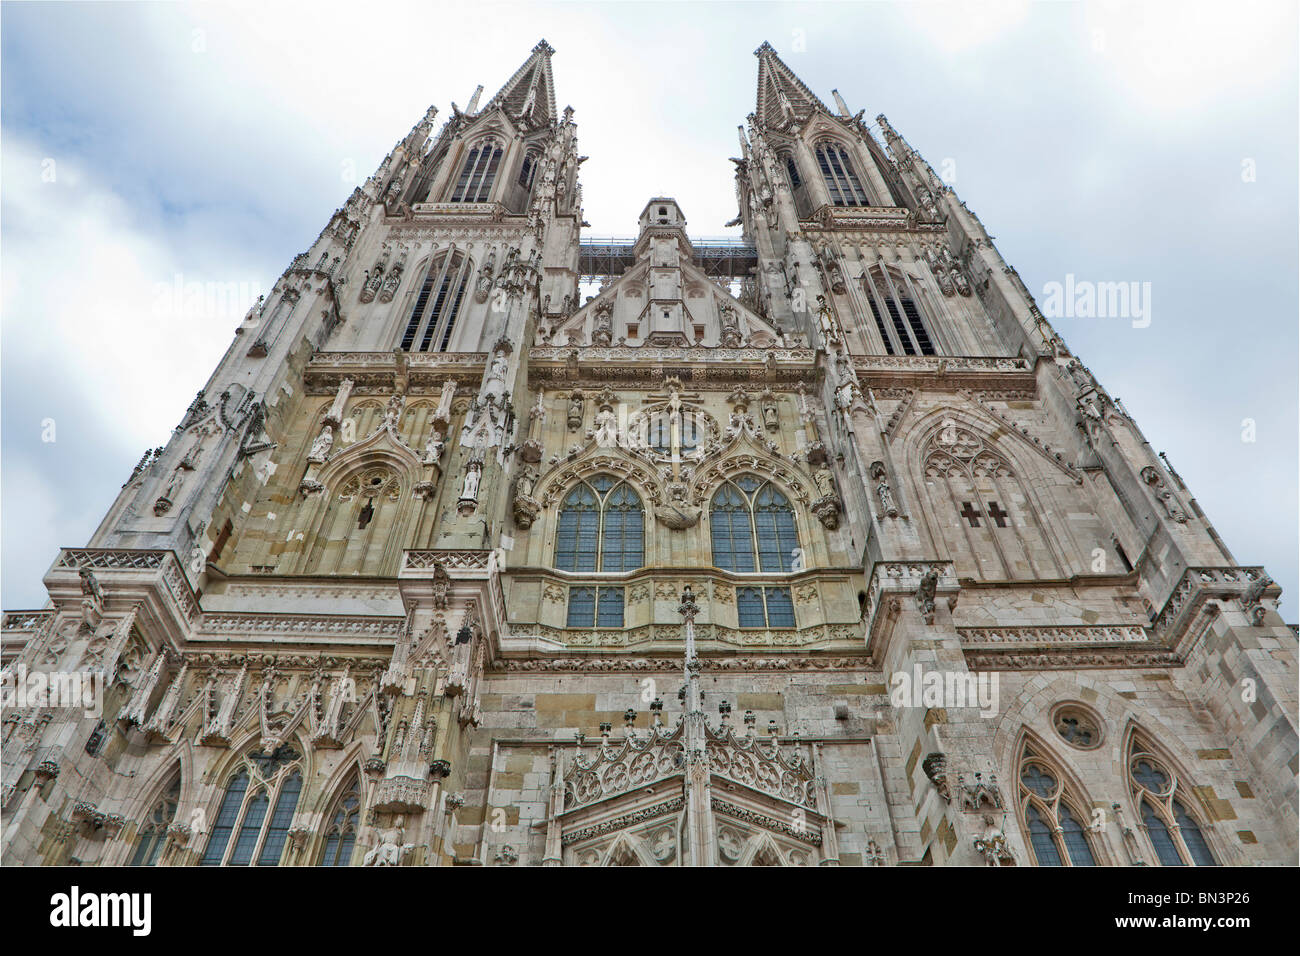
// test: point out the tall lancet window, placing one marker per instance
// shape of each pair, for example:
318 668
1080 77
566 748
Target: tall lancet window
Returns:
751 525
437 305
256 810
341 837
528 169
792 171
1053 816
601 527
1162 801
841 179
899 321
152 836
478 172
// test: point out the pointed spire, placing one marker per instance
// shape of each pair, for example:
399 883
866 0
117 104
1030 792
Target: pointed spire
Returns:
473 100
530 93
782 96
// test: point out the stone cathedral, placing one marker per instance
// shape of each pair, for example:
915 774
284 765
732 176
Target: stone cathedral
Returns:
490 544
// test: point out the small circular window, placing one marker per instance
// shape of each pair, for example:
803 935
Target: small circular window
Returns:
1077 726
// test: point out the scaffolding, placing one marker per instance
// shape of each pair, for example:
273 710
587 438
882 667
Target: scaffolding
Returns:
726 258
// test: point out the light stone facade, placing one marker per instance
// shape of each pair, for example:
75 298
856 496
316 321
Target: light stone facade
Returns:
351 612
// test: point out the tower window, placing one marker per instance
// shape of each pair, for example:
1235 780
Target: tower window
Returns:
260 832
1162 805
152 836
478 173
898 319
1050 813
437 306
792 170
841 180
528 169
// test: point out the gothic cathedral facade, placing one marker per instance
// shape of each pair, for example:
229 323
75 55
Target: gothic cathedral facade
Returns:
814 547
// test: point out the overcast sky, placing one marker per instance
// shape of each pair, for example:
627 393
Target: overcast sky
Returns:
150 144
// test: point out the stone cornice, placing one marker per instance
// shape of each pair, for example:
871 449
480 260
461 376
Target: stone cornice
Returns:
940 372
698 367
374 373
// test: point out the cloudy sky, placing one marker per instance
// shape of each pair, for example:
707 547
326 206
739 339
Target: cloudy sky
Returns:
148 145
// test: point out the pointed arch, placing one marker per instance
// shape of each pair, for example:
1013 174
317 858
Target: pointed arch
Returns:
762 850
839 173
478 170
151 834
628 850
342 823
360 520
1052 808
431 323
904 325
1169 811
979 502
259 797
752 526
600 527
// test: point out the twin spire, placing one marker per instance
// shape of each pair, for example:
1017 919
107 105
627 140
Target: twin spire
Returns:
782 97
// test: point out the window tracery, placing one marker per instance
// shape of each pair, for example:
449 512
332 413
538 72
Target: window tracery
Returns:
752 527
1054 818
256 810
1162 801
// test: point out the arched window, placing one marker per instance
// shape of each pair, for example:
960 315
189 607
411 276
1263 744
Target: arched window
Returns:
601 526
478 172
792 170
1161 799
752 527
341 837
528 169
433 316
841 179
659 431
902 328
1054 819
152 836
259 784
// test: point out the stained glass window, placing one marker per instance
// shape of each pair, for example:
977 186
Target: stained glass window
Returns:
751 527
152 836
601 525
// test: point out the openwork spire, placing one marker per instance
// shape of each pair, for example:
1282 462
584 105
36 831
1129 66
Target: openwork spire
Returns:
782 96
530 93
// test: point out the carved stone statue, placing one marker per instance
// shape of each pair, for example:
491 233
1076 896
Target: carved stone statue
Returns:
391 848
433 448
321 446
883 492
606 432
575 411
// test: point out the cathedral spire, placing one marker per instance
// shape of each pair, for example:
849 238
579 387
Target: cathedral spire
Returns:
782 96
530 92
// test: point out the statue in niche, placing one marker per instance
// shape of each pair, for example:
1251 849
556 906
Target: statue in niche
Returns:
391 848
393 412
433 448
469 490
883 492
321 446
824 481
575 411
770 420
606 432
